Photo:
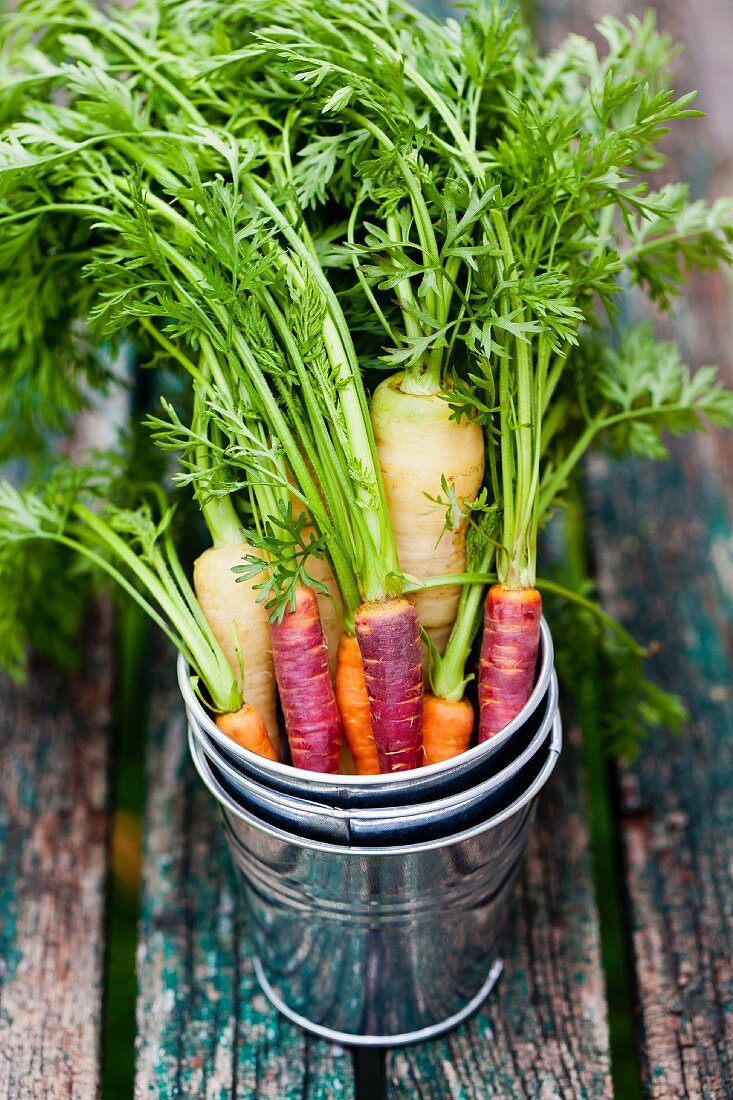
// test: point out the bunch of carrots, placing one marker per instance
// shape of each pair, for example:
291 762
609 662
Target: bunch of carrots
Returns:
374 252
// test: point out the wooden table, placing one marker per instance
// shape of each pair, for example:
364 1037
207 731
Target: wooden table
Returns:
664 562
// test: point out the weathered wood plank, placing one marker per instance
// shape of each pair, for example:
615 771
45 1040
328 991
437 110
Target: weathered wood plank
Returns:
204 1028
670 577
53 852
662 538
544 1031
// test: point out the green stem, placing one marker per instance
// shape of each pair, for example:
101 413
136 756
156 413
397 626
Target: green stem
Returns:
219 513
655 242
369 293
418 584
404 287
120 579
423 221
520 568
381 567
553 377
551 488
590 605
329 462
210 662
553 420
563 471
449 674
177 354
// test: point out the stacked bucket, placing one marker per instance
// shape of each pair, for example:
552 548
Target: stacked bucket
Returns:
376 904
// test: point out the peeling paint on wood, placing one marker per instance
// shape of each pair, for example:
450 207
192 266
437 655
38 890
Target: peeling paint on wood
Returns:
678 829
662 537
53 851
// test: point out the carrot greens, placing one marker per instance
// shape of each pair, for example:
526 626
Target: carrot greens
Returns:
131 546
383 257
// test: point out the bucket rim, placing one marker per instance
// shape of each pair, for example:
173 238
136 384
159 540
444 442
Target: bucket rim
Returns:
406 1038
226 803
312 808
470 757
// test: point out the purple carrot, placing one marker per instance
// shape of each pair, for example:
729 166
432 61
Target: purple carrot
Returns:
388 632
306 692
508 655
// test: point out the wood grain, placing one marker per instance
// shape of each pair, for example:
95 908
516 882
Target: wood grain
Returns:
53 851
204 1028
662 538
670 577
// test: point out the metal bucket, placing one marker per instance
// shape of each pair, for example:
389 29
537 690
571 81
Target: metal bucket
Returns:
399 789
389 825
378 946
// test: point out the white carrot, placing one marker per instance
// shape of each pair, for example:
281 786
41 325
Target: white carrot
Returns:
240 625
418 445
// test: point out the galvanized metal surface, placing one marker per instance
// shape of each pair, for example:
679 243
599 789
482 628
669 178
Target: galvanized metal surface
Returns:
401 824
346 935
424 1035
437 780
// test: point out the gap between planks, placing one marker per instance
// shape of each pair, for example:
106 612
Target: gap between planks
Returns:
206 1030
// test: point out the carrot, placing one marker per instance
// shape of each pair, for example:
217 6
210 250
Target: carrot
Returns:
447 727
239 622
353 703
306 693
418 445
508 655
329 607
388 632
246 726
140 556
347 765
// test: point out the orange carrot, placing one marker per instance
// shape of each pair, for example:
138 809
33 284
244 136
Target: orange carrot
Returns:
353 701
246 726
508 655
446 727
